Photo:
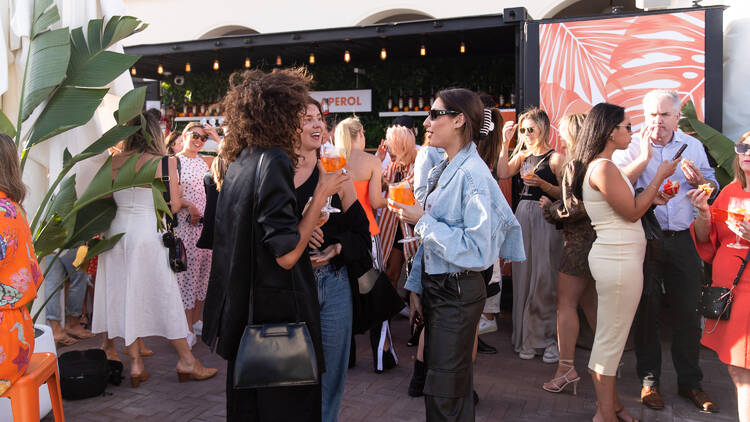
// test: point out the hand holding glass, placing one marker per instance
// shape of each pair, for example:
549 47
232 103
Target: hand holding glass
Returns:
737 212
402 193
332 159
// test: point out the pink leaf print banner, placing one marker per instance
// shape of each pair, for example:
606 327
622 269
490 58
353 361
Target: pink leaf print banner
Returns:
619 60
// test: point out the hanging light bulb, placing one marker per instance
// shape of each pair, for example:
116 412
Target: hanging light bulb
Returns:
248 63
422 51
312 58
188 68
462 48
347 56
216 64
160 69
383 54
132 70
278 60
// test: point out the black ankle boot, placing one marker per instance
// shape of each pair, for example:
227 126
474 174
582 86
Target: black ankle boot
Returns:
416 385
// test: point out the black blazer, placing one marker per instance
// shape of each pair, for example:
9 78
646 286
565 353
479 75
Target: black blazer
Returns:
279 295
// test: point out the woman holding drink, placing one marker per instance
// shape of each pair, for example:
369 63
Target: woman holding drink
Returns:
340 253
534 281
714 231
465 226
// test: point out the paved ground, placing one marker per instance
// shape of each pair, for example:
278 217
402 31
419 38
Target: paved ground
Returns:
509 389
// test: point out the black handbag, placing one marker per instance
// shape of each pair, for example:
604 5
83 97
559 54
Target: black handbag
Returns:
85 373
379 301
716 302
177 252
273 355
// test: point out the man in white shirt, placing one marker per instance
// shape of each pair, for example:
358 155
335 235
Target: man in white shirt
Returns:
672 264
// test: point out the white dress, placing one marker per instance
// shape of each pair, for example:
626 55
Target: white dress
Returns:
136 292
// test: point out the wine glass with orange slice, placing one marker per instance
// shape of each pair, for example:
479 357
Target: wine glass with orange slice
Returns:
737 211
403 193
332 159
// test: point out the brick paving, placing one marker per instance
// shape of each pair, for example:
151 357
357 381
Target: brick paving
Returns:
509 389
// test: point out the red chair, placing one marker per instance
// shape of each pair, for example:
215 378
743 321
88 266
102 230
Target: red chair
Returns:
24 393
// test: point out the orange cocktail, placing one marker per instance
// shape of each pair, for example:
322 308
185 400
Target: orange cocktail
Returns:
331 164
401 193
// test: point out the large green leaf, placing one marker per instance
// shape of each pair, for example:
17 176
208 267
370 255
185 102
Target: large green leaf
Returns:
109 139
91 220
102 184
131 105
69 107
44 16
48 61
6 126
719 146
63 201
120 27
91 64
97 246
51 237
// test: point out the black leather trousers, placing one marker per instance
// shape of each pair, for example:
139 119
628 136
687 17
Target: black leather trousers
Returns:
452 305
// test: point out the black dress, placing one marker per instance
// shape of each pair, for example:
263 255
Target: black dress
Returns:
243 247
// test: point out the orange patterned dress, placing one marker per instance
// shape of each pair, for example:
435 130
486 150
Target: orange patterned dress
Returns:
20 278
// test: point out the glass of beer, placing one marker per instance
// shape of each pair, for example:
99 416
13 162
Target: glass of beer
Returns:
403 193
332 159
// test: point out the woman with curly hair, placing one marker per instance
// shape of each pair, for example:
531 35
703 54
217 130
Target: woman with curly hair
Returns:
265 112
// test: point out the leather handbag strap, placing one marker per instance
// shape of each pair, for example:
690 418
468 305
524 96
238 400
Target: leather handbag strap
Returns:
742 268
165 180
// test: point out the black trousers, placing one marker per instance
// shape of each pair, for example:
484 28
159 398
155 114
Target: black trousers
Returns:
278 404
673 263
452 305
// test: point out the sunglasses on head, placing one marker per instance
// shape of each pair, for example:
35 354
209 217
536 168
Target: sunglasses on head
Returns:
526 129
741 148
434 114
197 135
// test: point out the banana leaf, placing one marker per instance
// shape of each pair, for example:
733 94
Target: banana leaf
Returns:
43 16
6 126
91 220
719 147
102 184
52 236
130 105
47 62
69 107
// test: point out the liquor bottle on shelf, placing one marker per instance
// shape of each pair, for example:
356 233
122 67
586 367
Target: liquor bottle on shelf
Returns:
193 110
400 100
324 106
390 100
410 102
420 101
202 109
501 100
512 98
433 97
184 112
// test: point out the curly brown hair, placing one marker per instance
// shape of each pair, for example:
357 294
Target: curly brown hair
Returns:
263 110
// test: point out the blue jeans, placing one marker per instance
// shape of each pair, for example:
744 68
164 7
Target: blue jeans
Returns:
76 289
335 297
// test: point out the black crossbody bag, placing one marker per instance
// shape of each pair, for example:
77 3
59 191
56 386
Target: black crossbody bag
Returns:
177 253
716 302
273 355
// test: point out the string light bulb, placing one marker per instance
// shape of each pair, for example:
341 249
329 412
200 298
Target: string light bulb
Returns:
132 70
188 68
422 51
383 54
248 63
462 48
347 56
278 60
160 69
312 58
216 64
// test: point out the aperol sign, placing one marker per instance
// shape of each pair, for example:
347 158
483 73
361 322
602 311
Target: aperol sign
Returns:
618 60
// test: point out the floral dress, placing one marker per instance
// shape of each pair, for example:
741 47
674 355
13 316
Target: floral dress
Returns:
20 278
193 282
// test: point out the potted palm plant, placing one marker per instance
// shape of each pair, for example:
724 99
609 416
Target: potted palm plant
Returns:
65 75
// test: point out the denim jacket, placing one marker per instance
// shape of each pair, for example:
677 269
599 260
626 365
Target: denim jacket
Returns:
467 223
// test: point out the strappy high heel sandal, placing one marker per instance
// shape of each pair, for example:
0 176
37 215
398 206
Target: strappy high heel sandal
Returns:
620 418
557 385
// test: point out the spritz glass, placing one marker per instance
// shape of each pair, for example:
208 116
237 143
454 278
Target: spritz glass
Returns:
403 193
737 212
332 159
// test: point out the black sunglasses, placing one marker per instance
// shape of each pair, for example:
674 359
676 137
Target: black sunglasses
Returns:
628 127
434 114
524 130
741 148
197 135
